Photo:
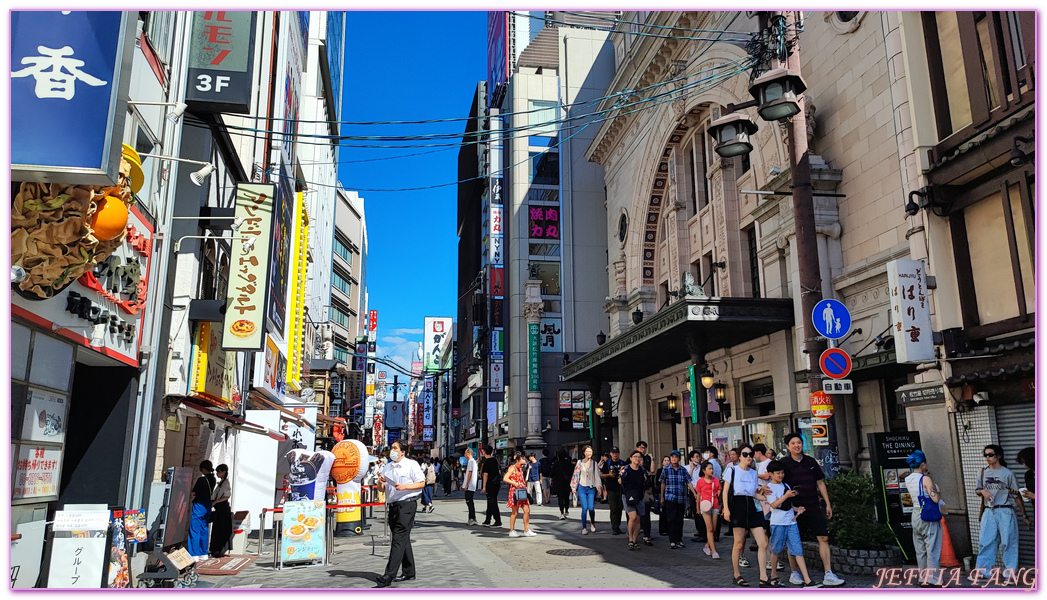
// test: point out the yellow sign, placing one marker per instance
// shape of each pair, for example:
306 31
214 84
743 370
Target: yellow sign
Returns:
299 263
214 370
244 325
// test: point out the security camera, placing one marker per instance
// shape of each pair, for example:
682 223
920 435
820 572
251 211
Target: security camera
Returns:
981 397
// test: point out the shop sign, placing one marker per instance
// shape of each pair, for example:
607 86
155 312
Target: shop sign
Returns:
456 412
372 320
214 370
220 61
243 327
37 471
496 220
495 250
103 309
280 270
533 345
821 405
394 415
427 434
45 417
299 266
70 75
889 452
918 394
910 311
270 370
354 387
497 282
434 343
304 527
501 444
550 332
428 391
544 222
78 550
497 377
497 348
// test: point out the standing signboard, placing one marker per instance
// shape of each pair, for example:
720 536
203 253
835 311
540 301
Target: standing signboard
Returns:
70 75
78 550
304 524
220 61
244 324
889 469
910 311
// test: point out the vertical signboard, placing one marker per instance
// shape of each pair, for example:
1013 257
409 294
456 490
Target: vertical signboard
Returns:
221 53
70 74
497 55
428 401
214 369
434 343
910 311
243 327
550 333
280 270
497 377
533 355
299 266
889 469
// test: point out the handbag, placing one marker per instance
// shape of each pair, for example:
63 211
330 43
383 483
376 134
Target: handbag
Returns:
574 499
520 495
929 510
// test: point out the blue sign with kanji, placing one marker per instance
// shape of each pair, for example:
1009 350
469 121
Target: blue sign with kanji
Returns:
69 82
831 319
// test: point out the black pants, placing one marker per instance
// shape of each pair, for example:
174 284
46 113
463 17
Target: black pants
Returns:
564 501
221 528
645 522
614 502
401 520
469 503
492 513
673 513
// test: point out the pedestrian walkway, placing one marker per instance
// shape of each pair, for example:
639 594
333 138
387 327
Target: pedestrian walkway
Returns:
451 554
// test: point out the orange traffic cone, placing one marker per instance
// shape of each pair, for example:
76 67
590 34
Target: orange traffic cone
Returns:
948 558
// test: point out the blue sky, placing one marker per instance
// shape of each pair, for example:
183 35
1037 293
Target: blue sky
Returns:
408 65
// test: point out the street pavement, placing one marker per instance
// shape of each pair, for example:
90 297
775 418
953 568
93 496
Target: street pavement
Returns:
450 554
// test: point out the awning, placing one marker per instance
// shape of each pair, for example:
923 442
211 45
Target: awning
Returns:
288 415
327 419
662 340
234 422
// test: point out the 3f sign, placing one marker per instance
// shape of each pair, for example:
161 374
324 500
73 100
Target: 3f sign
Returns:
204 85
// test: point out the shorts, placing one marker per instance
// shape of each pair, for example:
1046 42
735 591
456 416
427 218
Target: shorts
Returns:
639 509
786 535
744 513
812 523
711 511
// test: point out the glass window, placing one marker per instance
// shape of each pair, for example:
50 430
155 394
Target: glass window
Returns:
542 116
339 316
770 434
988 62
1025 246
545 168
542 195
52 363
552 249
994 284
952 66
549 273
754 262
343 250
341 283
20 337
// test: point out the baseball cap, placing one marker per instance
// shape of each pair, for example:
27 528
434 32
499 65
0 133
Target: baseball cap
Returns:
614 449
676 452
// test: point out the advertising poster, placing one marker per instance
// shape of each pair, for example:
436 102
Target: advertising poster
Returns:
119 572
308 473
78 551
177 521
134 526
889 469
303 538
36 472
435 340
45 417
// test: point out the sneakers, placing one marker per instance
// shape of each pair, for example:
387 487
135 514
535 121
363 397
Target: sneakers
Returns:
673 546
514 533
431 508
780 565
831 580
716 555
472 522
486 524
743 562
529 533
563 517
707 551
795 578
617 532
812 584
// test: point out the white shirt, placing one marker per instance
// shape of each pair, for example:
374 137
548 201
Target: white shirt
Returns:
779 516
743 482
222 490
403 471
695 473
470 476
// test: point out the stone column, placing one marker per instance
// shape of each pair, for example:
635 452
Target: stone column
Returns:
532 311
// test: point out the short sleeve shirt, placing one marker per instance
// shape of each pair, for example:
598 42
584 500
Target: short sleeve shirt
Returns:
779 516
743 482
633 481
998 482
472 475
494 478
803 475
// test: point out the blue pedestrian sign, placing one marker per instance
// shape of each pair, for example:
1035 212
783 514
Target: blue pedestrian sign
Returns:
831 319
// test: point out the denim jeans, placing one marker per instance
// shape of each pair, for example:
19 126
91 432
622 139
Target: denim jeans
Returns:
586 501
999 528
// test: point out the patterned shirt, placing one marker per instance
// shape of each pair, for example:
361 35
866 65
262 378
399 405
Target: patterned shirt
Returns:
675 481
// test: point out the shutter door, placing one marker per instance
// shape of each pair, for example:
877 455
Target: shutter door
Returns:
1016 429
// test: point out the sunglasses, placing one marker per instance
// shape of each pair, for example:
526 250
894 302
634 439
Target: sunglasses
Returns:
747 454
989 455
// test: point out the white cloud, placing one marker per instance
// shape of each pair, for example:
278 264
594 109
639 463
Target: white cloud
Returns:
406 331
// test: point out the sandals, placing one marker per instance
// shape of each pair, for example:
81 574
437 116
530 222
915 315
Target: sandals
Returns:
765 584
634 546
776 582
673 546
740 581
647 542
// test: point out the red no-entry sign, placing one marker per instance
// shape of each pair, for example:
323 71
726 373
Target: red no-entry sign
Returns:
835 363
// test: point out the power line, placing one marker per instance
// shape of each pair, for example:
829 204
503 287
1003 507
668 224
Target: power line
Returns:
625 22
637 33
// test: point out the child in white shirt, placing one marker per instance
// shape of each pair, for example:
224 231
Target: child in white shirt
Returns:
784 531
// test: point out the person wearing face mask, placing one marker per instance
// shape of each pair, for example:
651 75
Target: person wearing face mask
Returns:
403 481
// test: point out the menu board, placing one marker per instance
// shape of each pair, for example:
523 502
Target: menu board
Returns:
303 535
889 452
78 549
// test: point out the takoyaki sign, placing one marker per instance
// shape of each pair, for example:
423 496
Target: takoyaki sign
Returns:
102 309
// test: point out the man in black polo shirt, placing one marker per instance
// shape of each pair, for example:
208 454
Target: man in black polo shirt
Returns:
491 478
645 519
804 474
610 472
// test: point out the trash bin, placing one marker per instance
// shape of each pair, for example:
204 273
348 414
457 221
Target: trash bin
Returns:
241 529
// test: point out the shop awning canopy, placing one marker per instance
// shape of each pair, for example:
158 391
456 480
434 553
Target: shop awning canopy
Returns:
235 422
664 339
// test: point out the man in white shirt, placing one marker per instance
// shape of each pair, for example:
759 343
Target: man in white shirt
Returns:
469 484
403 481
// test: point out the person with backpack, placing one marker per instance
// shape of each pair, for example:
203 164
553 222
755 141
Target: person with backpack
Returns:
784 531
427 491
926 517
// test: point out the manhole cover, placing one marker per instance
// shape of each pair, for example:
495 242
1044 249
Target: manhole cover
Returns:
573 552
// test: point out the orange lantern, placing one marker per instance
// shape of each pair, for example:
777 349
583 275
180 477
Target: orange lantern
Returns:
110 219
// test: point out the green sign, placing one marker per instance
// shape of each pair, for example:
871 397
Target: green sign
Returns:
693 394
532 358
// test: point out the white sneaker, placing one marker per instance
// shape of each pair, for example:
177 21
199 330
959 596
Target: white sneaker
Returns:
743 562
707 551
529 533
514 533
831 579
795 578
780 565
473 522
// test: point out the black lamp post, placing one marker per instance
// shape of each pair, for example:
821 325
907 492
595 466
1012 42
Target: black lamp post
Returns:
600 338
637 316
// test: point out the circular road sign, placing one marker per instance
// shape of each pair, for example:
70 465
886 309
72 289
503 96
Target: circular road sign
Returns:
835 363
831 319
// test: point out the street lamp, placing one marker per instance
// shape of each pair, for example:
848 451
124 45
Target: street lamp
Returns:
731 133
777 92
600 338
672 402
178 108
637 316
196 177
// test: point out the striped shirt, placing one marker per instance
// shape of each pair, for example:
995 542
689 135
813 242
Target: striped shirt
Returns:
675 481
